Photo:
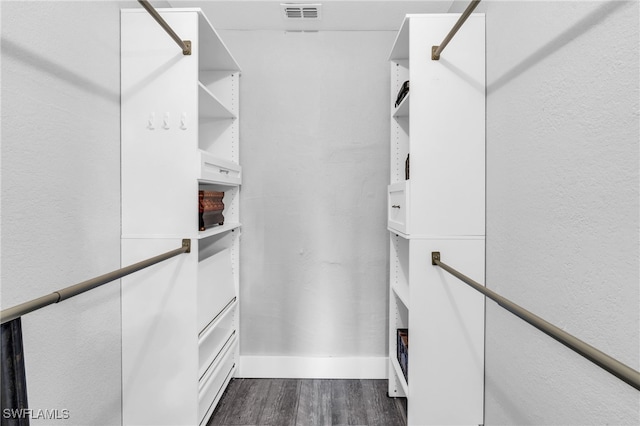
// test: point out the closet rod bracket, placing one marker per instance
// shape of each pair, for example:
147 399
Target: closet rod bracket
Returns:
437 50
187 50
185 45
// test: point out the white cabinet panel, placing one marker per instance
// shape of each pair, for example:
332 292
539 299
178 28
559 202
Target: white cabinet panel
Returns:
158 361
446 322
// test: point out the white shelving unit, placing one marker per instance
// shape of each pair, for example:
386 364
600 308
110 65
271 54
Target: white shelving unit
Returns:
180 318
441 124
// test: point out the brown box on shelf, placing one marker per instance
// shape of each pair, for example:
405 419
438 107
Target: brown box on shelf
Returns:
210 207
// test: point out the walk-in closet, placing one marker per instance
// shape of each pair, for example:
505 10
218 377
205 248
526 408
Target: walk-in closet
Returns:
360 212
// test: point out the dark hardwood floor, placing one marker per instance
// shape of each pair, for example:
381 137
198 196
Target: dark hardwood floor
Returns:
308 402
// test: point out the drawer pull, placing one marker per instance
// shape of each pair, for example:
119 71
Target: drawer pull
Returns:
395 206
225 172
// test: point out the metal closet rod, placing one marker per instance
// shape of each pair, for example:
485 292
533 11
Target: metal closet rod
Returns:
185 45
612 365
437 50
58 296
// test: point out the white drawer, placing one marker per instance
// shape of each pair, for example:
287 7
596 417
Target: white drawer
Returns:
211 386
217 170
213 338
398 202
215 286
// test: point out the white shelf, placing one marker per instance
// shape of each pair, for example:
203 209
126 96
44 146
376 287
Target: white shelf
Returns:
400 49
211 386
225 383
399 375
398 233
217 230
215 322
403 108
209 106
214 337
214 54
218 184
402 291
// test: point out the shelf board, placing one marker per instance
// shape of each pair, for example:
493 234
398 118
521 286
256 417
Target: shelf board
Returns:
209 106
219 230
216 185
402 291
216 55
398 233
399 375
403 108
216 321
400 49
227 340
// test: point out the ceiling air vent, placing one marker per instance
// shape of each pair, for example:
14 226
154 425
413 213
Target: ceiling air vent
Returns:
301 11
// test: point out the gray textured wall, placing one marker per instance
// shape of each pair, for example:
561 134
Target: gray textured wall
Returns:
61 199
562 208
314 131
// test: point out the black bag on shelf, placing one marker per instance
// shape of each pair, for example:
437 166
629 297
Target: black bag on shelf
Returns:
404 90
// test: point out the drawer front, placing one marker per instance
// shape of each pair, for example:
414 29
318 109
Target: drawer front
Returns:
212 385
216 170
213 338
398 207
216 286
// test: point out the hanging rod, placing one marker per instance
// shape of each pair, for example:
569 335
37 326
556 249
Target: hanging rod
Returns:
68 292
612 365
437 50
185 45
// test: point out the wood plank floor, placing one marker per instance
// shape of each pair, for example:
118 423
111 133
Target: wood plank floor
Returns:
308 402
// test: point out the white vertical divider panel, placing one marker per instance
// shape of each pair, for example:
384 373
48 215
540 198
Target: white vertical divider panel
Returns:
158 162
446 329
441 125
447 127
159 363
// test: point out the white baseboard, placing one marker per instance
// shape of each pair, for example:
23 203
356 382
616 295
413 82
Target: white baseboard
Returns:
293 367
